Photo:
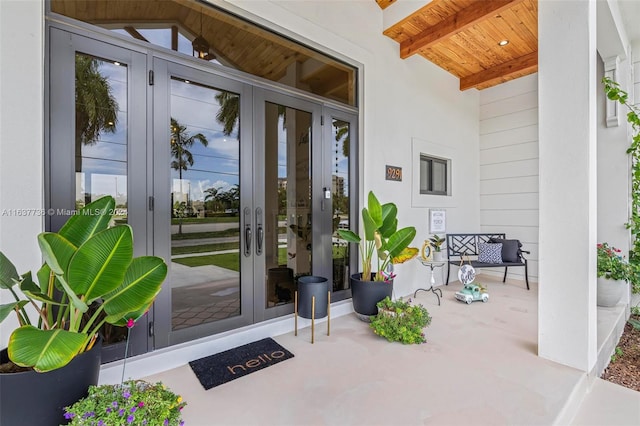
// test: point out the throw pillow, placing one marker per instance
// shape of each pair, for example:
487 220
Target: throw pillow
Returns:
490 253
510 249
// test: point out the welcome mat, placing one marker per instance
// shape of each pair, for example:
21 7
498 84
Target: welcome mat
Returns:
229 365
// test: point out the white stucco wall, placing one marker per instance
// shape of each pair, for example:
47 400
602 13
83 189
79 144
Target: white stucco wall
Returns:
21 137
406 105
509 165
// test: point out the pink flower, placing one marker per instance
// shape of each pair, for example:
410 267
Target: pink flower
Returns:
130 323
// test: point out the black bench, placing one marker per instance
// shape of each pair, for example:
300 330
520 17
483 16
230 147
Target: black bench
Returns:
466 247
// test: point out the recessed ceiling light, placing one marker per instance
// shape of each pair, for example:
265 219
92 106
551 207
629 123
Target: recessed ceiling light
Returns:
503 42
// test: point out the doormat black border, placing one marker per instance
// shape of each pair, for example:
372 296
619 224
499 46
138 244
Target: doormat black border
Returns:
234 363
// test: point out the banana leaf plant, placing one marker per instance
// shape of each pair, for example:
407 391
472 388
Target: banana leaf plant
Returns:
381 238
86 262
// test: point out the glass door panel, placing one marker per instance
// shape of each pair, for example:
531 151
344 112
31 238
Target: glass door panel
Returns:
340 142
288 194
205 200
101 146
101 132
341 137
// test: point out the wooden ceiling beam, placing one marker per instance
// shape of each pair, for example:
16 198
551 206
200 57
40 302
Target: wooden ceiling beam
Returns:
523 65
384 3
477 12
134 33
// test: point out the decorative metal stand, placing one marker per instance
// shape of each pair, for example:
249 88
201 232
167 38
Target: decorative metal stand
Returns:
313 312
432 266
310 288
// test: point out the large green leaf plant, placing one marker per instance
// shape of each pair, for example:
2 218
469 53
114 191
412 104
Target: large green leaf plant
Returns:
382 239
86 262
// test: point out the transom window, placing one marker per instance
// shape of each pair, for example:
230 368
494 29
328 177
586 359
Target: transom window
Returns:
216 36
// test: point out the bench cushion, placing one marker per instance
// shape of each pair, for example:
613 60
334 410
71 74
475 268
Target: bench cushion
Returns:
490 252
510 249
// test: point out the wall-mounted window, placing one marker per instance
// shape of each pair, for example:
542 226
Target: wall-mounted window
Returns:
435 175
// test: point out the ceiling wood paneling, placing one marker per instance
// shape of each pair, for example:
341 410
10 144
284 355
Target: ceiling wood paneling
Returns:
462 36
232 42
384 3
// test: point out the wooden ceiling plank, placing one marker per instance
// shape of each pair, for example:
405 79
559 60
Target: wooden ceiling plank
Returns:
522 66
385 3
442 58
467 17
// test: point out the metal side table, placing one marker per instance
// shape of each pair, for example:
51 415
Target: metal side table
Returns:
432 265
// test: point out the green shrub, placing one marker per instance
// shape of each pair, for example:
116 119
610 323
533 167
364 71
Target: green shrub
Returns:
400 321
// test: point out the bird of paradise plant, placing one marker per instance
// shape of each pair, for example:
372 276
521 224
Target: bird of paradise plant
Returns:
86 263
382 238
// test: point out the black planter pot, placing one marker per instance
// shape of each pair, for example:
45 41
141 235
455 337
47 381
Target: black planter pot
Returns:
366 294
37 399
313 286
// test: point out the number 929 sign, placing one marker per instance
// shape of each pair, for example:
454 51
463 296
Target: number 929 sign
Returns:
393 173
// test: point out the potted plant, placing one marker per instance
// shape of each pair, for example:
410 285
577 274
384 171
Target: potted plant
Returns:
437 243
87 264
613 273
382 245
134 402
400 321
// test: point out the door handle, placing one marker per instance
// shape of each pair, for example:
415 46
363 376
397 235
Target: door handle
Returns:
247 240
247 231
260 238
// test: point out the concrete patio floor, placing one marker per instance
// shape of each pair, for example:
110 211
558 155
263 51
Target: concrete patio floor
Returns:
479 367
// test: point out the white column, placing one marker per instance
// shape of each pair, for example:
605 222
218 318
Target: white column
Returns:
568 219
21 138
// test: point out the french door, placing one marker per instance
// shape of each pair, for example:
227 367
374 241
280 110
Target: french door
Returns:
97 145
202 184
234 185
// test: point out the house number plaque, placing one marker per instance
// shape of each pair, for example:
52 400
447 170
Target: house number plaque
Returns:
393 173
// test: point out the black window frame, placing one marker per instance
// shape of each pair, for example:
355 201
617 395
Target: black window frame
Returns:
430 178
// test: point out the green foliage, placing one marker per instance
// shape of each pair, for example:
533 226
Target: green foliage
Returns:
611 264
634 277
381 234
614 93
400 321
616 354
132 403
635 323
86 264
436 242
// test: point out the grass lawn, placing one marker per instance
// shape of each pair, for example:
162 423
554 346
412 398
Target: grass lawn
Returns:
204 248
217 219
227 261
233 232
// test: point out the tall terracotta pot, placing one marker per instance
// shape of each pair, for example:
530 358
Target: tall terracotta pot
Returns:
366 294
31 398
